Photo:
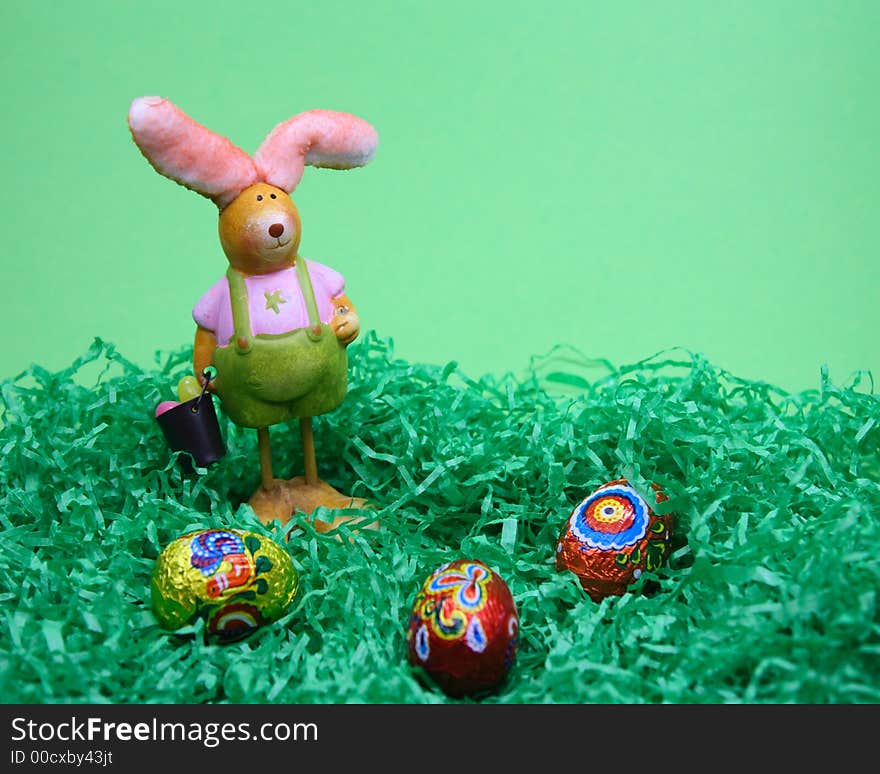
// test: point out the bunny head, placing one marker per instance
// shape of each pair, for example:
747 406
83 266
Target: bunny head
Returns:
260 227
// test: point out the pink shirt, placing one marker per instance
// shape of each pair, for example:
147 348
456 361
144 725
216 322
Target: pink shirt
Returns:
275 302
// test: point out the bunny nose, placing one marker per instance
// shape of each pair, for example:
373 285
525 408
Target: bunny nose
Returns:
276 230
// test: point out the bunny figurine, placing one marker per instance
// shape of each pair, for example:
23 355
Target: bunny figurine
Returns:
275 328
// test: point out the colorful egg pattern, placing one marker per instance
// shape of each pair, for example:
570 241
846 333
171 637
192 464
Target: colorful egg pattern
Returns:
611 537
464 628
236 580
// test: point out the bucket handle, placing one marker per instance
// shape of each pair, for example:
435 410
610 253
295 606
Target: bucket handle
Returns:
210 374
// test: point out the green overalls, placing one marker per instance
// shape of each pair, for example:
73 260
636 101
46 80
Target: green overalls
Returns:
268 378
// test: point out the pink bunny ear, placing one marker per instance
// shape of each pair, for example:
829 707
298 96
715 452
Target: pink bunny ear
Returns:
319 138
188 153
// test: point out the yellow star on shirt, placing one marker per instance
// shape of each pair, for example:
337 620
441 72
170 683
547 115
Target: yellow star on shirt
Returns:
273 299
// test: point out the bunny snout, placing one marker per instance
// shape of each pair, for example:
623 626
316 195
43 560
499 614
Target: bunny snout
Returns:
271 234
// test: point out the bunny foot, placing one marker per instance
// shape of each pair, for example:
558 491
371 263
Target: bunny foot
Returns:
287 497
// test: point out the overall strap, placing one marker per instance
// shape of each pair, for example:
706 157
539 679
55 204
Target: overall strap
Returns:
241 316
305 285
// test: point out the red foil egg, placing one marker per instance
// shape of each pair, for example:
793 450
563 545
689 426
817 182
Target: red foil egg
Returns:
612 537
464 628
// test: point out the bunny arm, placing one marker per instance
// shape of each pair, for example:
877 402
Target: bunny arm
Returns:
203 351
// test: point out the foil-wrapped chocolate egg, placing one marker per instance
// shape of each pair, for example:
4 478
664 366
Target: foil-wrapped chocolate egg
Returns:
464 628
236 580
613 536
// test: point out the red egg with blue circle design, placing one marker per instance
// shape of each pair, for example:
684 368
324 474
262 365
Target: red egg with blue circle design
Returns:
613 536
464 628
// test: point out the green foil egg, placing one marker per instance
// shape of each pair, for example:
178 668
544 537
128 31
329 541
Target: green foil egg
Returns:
236 580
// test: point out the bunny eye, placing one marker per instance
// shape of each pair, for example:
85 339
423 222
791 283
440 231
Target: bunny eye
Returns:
272 196
260 198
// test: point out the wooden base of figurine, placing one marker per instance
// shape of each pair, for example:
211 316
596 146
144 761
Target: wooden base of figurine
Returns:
284 498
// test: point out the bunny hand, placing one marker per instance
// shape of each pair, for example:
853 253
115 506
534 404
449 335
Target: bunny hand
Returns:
345 323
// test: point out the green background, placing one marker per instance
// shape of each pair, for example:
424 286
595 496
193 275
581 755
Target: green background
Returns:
621 178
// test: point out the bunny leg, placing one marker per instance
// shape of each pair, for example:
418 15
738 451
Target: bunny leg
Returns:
310 463
270 501
266 477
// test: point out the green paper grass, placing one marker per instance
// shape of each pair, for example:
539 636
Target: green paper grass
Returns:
769 596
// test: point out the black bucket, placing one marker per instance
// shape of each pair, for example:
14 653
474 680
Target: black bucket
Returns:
192 427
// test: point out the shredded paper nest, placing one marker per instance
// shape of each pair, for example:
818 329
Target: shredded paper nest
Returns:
769 595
